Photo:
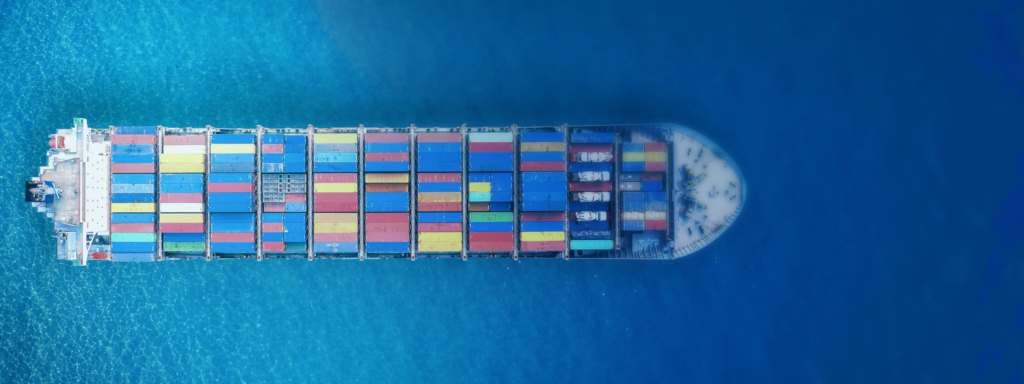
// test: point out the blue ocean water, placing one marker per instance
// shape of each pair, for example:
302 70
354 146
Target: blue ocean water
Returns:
881 240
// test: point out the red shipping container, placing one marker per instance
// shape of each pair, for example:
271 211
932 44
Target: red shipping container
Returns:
273 148
273 246
577 148
438 137
335 178
527 166
232 237
654 147
439 207
542 216
655 225
590 187
133 139
479 207
384 237
652 176
439 177
491 247
274 207
387 227
387 217
182 228
490 147
335 197
273 227
230 187
386 137
184 140
336 237
295 197
132 228
439 227
491 237
386 187
133 168
335 207
655 166
538 246
181 197
387 156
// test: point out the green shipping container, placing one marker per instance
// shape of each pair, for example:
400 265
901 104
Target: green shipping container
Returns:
590 244
185 247
490 217
133 237
294 247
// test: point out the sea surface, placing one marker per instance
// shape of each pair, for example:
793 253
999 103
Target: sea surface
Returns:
882 144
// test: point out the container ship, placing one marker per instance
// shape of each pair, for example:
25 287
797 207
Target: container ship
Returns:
153 193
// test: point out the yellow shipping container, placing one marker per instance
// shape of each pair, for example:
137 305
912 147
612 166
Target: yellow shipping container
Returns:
190 158
633 156
439 197
182 168
133 208
479 187
440 246
335 187
181 218
335 217
335 227
542 147
542 236
334 138
440 236
655 156
233 148
387 177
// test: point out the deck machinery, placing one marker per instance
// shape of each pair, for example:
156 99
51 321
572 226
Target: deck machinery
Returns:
646 191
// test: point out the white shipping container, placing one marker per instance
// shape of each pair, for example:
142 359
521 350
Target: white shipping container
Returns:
632 215
181 207
185 149
654 215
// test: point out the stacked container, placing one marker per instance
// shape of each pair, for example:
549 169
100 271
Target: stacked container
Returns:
387 192
491 232
335 194
133 194
231 193
283 153
283 192
182 165
644 157
543 197
644 201
333 230
591 156
439 192
335 152
490 152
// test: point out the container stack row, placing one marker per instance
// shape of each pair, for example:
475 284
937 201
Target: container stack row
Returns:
133 194
231 193
386 191
543 191
644 201
591 166
284 192
335 193
439 190
490 190
182 183
335 207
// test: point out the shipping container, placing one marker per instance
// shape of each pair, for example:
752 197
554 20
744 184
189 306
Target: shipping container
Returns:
132 228
133 139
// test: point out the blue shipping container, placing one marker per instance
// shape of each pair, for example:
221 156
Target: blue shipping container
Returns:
181 188
591 167
392 206
232 218
543 206
490 157
295 207
387 147
231 207
232 177
386 247
386 166
541 137
230 197
122 257
132 188
599 225
579 225
273 237
335 148
134 178
232 227
439 147
490 227
233 139
133 247
591 235
234 157
137 130
337 247
438 156
490 166
632 147
295 167
232 167
132 197
273 139
133 159
132 149
449 166
651 186
182 178
542 156
439 217
501 207
438 187
631 225
335 167
373 197
184 237
335 157
541 226
127 218
232 247
542 176
627 166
